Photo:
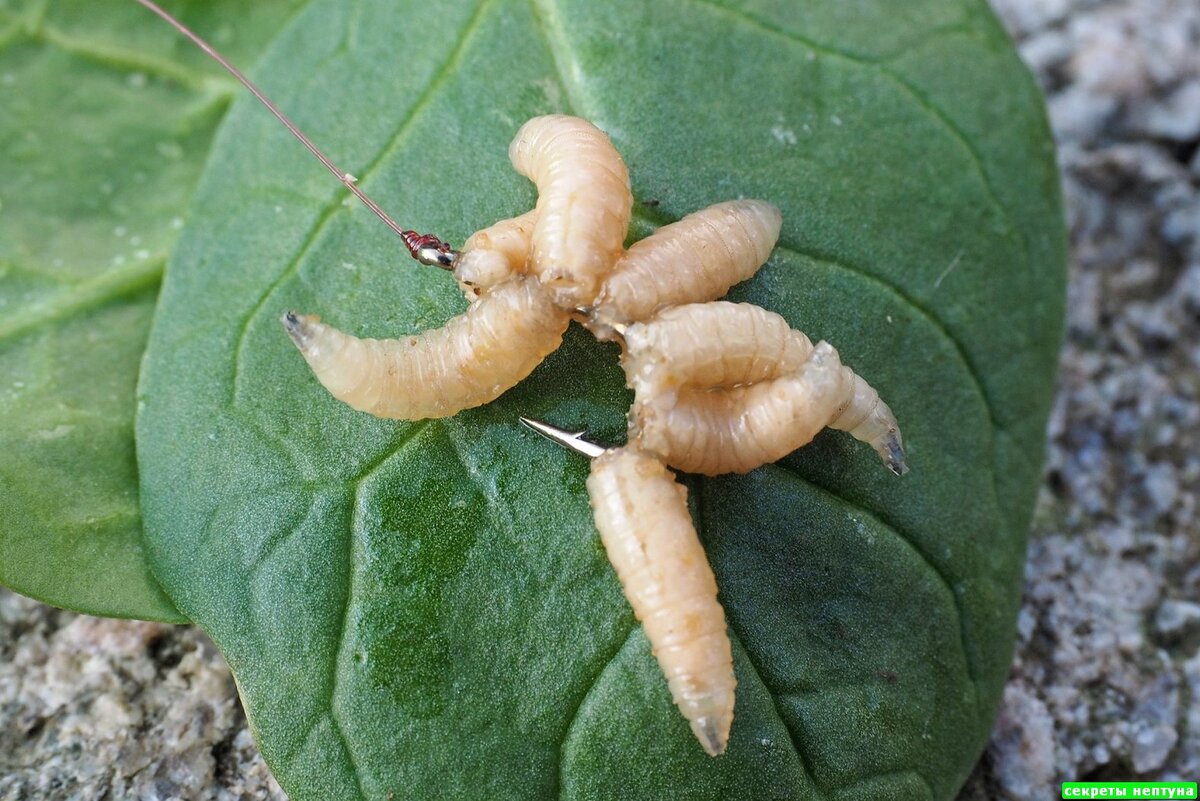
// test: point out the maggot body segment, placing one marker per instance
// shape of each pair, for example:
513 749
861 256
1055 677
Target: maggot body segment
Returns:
728 387
642 515
470 361
694 260
583 207
711 345
495 254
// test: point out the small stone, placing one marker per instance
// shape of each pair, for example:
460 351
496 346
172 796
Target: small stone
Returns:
1177 117
1177 619
1161 487
1023 743
1151 745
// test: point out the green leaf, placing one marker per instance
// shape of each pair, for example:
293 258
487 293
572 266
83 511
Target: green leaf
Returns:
421 610
107 119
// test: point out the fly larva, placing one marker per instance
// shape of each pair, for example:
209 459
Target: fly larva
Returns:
470 361
696 372
494 254
642 515
738 429
583 206
708 345
693 260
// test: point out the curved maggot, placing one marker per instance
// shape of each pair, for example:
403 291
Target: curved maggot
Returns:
737 430
470 361
583 207
693 260
709 345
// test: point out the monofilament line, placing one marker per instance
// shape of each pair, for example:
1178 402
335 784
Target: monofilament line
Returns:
413 241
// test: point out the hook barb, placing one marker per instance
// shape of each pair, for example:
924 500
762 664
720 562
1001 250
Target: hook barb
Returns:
572 440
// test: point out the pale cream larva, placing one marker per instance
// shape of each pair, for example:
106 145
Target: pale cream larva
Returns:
642 516
693 260
738 429
710 345
494 254
470 361
583 206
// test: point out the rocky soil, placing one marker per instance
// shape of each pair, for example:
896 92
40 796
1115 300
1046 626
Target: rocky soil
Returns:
1106 680
95 709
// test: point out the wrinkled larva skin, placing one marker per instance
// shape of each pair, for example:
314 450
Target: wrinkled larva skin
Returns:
642 516
470 361
868 419
738 429
694 260
583 208
711 345
495 254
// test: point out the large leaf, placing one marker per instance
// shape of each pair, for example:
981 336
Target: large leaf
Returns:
424 610
107 118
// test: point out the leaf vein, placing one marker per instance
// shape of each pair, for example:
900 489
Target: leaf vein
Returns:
622 642
545 14
270 545
926 314
496 507
343 635
112 285
921 98
805 762
910 541
126 60
406 436
699 493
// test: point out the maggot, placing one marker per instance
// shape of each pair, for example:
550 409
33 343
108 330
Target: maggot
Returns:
583 206
642 515
727 387
693 260
470 361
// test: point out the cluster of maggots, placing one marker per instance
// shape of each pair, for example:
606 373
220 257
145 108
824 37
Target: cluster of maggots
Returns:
718 387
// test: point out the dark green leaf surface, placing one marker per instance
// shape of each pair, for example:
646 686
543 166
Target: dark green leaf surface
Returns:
106 120
424 610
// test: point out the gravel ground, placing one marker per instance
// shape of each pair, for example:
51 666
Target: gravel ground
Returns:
1106 679
96 709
